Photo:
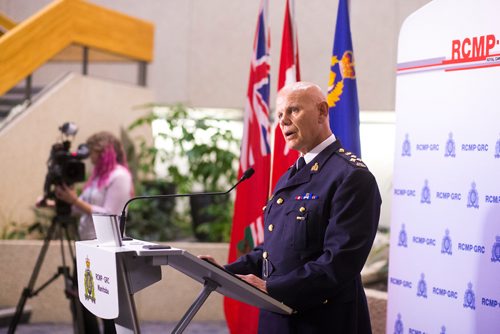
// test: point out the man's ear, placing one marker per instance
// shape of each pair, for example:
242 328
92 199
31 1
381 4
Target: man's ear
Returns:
323 110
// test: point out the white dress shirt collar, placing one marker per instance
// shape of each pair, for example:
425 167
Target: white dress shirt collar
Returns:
317 150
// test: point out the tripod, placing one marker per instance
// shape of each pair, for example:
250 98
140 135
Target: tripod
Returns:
58 228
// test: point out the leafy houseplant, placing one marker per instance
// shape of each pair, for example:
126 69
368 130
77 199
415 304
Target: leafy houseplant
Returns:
195 152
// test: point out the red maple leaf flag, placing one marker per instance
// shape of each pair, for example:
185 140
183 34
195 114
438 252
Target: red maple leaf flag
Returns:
283 157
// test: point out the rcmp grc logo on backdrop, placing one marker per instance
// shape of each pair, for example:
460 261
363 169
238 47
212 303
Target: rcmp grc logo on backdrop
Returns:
403 238
443 330
495 250
449 150
422 287
89 282
497 149
446 244
398 325
406 152
426 193
473 197
469 297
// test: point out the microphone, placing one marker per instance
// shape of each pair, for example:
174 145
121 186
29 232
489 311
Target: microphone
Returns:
246 175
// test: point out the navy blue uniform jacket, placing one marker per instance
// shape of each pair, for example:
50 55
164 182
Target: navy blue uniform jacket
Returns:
319 228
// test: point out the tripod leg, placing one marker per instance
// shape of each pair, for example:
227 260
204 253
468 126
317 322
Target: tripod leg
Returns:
28 291
82 323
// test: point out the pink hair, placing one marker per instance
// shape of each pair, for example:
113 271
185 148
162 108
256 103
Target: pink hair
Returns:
107 162
104 166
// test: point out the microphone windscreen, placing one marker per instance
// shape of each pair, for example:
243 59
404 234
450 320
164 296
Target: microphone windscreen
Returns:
248 173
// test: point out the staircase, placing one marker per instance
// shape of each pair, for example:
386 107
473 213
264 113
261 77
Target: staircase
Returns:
16 99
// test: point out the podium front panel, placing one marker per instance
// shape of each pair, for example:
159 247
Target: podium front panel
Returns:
97 279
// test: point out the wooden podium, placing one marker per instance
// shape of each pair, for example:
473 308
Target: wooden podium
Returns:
111 270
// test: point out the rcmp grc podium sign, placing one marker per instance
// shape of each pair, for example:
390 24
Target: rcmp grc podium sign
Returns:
444 274
98 275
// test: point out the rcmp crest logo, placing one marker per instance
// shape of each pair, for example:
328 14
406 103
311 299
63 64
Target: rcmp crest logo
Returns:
398 325
443 330
449 150
473 197
89 282
422 287
497 149
469 297
446 244
406 151
403 239
426 194
495 250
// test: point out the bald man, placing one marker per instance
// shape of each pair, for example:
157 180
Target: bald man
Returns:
320 223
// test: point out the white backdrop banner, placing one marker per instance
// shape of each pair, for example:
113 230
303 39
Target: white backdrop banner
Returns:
444 274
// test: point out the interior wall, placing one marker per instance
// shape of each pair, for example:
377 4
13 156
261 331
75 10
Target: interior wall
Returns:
93 104
203 48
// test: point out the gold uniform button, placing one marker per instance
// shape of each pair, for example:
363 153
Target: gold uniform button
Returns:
325 301
264 255
264 208
270 227
341 150
280 200
302 209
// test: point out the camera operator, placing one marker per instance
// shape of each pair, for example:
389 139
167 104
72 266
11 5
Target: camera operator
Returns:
106 191
108 188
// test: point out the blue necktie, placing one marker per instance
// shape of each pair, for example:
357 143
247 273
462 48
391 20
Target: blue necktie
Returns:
301 163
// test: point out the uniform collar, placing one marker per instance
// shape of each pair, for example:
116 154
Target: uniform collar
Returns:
309 156
305 174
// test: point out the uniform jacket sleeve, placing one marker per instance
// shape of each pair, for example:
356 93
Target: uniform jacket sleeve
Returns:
250 263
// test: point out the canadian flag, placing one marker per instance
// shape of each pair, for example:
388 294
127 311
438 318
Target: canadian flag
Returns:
282 157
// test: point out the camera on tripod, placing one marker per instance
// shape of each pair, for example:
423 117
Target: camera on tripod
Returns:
64 166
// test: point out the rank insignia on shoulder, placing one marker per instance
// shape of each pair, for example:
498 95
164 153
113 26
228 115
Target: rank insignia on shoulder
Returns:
315 167
352 158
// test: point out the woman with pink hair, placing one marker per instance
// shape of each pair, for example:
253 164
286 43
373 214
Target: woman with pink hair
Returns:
108 188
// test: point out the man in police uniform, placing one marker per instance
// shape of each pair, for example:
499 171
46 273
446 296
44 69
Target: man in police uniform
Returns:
320 223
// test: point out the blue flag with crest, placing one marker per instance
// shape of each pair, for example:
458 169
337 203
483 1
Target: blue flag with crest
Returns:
342 93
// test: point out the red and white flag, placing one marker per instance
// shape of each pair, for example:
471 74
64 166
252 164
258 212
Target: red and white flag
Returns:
283 157
247 229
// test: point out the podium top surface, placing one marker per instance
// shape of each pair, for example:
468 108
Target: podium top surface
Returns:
200 270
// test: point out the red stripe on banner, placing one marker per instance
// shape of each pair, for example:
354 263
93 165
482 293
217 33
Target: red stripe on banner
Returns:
471 67
453 62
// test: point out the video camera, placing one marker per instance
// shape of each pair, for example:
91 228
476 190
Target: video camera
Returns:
64 166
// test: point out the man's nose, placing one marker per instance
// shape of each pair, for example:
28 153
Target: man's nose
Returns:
285 120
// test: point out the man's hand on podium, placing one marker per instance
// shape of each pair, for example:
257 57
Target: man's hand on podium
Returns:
250 279
255 281
210 259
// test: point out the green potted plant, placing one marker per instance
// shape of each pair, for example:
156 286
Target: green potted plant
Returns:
197 153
